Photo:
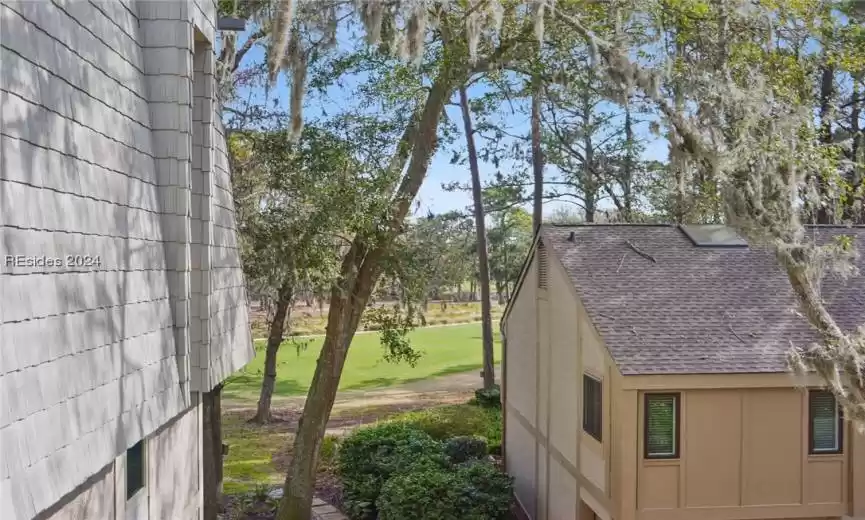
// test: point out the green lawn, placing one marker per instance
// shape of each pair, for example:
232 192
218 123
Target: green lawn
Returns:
446 350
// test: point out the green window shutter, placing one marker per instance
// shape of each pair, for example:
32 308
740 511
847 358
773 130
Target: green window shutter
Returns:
662 426
824 414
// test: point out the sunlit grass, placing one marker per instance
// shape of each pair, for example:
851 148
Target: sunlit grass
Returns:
446 350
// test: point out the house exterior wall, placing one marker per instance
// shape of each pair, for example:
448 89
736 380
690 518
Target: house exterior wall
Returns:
744 437
172 485
520 373
96 145
744 454
558 468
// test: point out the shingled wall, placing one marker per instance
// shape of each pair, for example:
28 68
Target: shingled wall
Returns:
96 164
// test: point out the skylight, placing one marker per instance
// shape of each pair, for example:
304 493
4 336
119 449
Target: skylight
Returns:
712 235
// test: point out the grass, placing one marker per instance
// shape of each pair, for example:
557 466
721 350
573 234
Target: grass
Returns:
305 321
250 456
446 350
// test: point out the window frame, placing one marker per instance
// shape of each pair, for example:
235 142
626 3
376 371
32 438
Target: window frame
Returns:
599 413
143 470
677 428
839 425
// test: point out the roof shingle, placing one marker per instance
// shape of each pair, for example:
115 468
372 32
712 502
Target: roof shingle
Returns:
695 309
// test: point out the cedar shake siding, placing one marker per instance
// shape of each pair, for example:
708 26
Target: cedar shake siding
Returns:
112 156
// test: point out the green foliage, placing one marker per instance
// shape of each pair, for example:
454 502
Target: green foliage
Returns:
474 491
420 495
444 422
464 448
394 326
369 456
491 398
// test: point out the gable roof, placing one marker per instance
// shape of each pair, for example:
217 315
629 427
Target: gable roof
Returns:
694 309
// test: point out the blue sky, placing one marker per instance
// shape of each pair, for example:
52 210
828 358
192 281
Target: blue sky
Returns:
432 197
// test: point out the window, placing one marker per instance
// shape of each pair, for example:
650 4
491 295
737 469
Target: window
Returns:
825 423
134 469
661 436
592 406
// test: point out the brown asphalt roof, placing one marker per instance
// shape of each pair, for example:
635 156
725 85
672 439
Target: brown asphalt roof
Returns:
695 309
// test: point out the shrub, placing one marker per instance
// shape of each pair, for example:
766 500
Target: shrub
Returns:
475 491
444 422
464 448
426 494
487 490
491 398
369 456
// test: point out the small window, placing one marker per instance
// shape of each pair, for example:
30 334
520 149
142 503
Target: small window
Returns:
662 426
134 469
826 423
592 406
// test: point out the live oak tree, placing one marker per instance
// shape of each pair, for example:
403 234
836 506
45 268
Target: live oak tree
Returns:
737 106
455 55
294 200
747 125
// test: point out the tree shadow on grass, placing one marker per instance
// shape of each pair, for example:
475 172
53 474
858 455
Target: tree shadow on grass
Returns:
245 386
384 382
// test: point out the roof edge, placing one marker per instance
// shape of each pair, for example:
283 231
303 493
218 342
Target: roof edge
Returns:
523 270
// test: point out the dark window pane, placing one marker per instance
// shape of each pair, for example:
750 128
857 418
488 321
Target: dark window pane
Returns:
134 469
825 419
592 406
661 419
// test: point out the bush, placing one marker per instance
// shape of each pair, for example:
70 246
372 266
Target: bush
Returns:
420 495
444 422
464 448
369 456
491 398
474 491
488 490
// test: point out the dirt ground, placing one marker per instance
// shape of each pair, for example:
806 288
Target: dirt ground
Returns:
352 409
420 394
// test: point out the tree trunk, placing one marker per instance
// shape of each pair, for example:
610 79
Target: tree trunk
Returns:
483 259
212 449
628 173
274 340
537 155
359 273
823 213
590 182
856 206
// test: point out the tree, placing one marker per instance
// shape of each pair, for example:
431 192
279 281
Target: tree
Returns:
510 238
480 231
295 198
751 134
740 118
365 257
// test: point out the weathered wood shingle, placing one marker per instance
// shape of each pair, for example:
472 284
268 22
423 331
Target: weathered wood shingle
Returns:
95 162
